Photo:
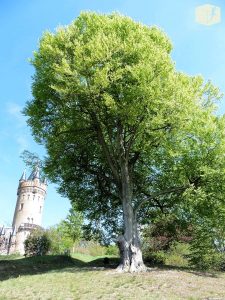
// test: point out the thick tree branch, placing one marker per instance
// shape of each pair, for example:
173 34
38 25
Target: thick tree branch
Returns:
155 195
105 149
134 158
166 126
102 142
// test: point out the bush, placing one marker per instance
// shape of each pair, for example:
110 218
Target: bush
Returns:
37 243
96 249
60 242
164 231
199 243
178 255
207 259
207 250
90 248
112 250
155 258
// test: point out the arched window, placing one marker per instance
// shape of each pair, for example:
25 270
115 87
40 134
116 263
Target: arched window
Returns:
28 220
21 206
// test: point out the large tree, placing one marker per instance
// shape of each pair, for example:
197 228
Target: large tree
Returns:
120 124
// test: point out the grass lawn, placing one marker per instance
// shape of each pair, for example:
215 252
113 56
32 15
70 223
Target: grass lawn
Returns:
86 277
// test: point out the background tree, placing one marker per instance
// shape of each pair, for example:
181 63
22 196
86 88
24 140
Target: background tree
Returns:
61 243
72 225
64 235
121 126
37 243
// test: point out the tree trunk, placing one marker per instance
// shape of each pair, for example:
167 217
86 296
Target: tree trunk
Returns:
129 242
130 256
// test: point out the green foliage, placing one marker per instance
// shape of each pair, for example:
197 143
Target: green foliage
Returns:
154 258
92 248
37 243
112 250
72 225
179 242
60 243
164 231
97 250
93 231
178 255
208 259
64 235
207 249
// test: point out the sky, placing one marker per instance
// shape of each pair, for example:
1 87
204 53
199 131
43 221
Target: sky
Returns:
198 49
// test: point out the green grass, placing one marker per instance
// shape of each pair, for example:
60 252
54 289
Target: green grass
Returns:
89 258
86 277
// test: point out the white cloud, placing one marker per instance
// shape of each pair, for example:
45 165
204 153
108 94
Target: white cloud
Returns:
22 142
15 111
207 14
18 129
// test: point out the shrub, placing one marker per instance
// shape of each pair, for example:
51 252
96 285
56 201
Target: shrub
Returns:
37 243
207 249
178 255
208 260
90 248
155 258
96 249
60 242
164 231
64 235
112 250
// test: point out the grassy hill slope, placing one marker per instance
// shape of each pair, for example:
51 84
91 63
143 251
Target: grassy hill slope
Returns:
86 277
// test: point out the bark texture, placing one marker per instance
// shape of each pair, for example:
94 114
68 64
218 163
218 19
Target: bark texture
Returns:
129 242
131 256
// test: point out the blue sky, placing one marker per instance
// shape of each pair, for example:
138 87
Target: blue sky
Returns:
198 49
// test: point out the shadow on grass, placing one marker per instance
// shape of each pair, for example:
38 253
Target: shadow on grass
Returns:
13 268
202 273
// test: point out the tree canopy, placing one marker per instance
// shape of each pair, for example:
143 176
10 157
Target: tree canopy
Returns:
126 134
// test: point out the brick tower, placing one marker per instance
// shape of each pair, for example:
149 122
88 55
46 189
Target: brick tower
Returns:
29 207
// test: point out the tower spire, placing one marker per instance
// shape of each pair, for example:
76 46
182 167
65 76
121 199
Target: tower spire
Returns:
23 177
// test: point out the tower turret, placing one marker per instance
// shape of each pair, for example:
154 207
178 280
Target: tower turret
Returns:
31 195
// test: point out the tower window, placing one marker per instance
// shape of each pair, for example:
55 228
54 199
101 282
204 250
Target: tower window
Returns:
21 206
28 220
32 220
40 209
28 196
33 197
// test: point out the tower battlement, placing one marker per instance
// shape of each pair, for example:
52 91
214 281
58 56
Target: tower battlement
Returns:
32 186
